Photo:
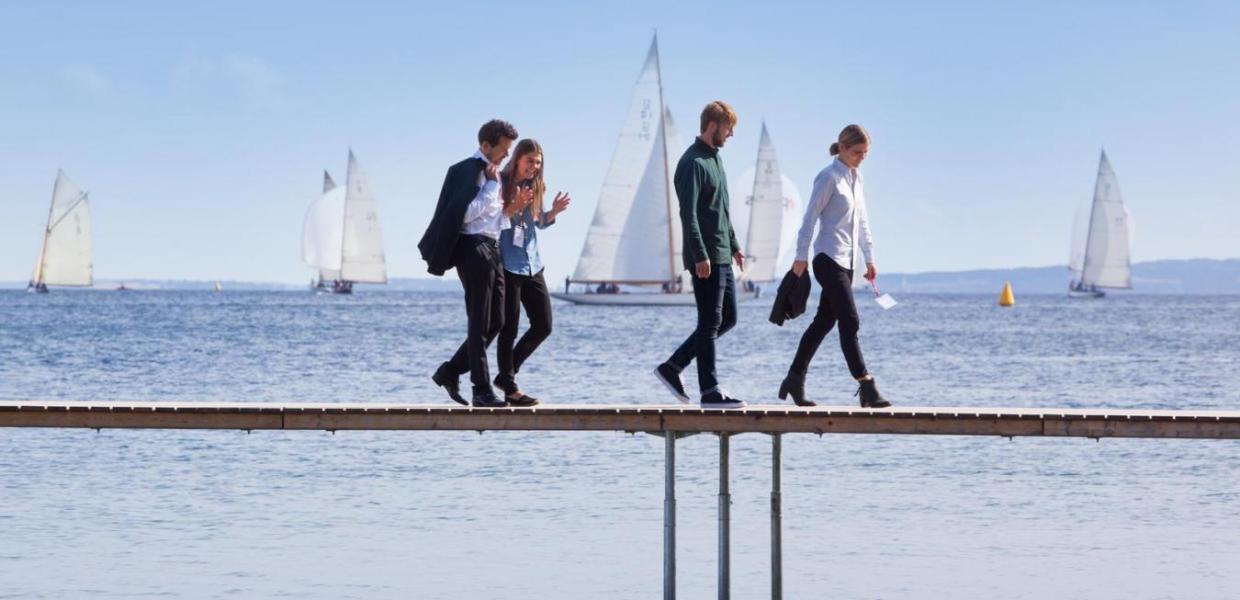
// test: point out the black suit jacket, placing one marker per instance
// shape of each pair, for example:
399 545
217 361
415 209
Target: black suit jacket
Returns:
791 298
460 187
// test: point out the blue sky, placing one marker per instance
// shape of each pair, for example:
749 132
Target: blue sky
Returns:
202 131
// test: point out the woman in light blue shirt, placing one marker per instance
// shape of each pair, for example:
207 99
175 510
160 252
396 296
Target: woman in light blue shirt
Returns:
837 208
522 189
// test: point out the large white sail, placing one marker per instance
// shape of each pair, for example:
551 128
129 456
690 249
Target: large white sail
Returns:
323 231
635 234
66 255
362 246
766 214
790 218
1107 257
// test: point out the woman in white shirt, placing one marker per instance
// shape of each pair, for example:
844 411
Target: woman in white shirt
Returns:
837 207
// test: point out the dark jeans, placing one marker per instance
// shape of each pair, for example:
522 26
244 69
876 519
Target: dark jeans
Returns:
716 314
478 266
835 305
530 292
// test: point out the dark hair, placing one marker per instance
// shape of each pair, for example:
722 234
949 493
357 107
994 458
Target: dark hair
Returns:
850 136
509 189
718 112
494 130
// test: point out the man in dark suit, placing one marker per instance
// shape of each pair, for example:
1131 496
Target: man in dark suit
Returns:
463 234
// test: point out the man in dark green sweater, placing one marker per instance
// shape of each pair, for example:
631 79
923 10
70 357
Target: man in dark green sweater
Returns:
710 247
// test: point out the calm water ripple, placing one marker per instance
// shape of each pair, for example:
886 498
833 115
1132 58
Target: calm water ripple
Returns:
223 514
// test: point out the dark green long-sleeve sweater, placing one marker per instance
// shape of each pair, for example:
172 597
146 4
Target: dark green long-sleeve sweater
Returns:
702 190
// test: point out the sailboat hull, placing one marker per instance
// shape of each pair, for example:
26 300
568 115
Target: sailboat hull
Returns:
639 299
1077 290
1086 294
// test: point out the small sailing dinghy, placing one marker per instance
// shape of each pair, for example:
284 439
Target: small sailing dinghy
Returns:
65 256
634 240
1101 256
341 237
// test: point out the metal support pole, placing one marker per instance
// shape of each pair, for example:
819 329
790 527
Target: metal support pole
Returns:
669 516
777 539
725 521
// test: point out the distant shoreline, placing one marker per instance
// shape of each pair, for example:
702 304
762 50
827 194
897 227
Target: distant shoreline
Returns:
1161 277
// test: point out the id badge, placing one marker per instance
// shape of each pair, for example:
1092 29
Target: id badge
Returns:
518 236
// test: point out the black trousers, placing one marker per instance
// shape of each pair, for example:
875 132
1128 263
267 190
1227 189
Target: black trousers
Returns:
716 314
478 266
835 306
531 293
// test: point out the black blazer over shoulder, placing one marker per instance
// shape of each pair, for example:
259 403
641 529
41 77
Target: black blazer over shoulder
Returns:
791 298
460 187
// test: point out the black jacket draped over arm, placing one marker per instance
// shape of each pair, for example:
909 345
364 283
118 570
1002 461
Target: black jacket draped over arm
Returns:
460 187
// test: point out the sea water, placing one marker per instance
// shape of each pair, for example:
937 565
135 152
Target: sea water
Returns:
308 514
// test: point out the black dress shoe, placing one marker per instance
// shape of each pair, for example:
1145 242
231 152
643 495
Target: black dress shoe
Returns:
449 383
870 398
522 400
670 378
508 386
720 399
488 399
795 384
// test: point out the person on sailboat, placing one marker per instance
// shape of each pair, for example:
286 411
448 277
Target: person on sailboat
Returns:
837 207
464 234
710 247
523 189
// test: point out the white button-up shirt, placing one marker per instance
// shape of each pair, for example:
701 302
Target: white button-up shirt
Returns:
837 206
485 214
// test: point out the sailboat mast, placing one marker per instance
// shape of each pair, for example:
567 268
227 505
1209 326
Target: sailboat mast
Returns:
667 172
1093 209
348 183
38 267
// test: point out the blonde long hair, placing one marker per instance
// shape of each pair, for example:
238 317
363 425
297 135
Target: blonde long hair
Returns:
509 190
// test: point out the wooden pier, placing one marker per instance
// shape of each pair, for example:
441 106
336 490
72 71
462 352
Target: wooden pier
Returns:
668 421
1008 422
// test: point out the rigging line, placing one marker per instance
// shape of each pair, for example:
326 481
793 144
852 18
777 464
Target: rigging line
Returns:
80 199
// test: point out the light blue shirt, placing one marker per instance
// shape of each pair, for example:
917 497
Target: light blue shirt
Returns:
523 259
837 207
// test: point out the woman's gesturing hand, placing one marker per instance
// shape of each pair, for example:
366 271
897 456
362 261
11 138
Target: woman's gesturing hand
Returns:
560 204
524 197
871 273
799 266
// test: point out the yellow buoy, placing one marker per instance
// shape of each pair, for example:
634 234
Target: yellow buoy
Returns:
1006 298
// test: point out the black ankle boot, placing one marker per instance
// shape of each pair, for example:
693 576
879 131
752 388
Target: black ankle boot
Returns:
870 398
795 384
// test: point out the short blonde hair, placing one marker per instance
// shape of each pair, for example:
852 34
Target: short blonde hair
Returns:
718 112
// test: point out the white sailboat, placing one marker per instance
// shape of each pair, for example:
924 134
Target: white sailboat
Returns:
341 238
767 220
634 239
65 256
1101 254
